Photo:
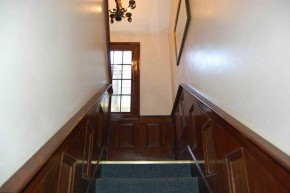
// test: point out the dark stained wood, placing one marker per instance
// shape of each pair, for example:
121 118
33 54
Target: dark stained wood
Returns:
66 175
140 130
209 148
87 150
237 173
42 171
259 179
180 119
154 135
192 135
149 138
244 162
49 178
181 131
126 135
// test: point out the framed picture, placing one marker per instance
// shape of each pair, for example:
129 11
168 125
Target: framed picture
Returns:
181 27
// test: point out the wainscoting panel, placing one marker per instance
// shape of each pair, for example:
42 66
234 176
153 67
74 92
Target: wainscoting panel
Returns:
209 148
237 173
149 138
126 134
180 119
87 150
66 183
231 157
47 181
154 135
140 130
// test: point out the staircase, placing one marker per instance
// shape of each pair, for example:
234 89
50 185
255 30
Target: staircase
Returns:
146 178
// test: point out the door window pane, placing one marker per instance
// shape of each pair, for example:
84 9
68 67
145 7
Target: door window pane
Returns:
126 86
116 86
117 57
126 104
127 57
127 71
115 104
117 71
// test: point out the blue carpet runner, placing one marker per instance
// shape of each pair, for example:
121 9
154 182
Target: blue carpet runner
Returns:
146 178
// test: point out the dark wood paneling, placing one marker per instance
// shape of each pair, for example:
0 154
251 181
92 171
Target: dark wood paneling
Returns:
192 135
58 170
126 132
66 183
149 138
209 149
140 131
47 180
154 135
259 178
167 134
240 160
87 150
180 118
237 173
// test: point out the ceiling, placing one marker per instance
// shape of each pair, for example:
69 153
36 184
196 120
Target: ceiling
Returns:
149 16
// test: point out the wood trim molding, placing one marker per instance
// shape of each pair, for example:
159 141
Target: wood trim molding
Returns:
27 172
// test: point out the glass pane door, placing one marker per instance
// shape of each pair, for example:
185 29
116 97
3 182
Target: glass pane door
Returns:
121 65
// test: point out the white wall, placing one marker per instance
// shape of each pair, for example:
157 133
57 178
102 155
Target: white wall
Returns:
237 55
52 61
155 76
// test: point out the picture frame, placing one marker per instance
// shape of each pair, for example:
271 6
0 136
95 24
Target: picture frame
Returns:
181 27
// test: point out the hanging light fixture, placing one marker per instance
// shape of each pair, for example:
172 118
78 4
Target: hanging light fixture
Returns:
119 13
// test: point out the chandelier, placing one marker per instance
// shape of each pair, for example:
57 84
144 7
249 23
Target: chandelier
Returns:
119 13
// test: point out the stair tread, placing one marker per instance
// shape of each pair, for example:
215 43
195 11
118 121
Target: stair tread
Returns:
166 185
144 171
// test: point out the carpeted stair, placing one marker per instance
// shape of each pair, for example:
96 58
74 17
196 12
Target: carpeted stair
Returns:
146 178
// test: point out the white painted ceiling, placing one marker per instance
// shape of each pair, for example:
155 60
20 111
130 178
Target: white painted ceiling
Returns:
149 16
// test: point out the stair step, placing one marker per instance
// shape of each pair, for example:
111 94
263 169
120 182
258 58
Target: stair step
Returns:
143 171
161 185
